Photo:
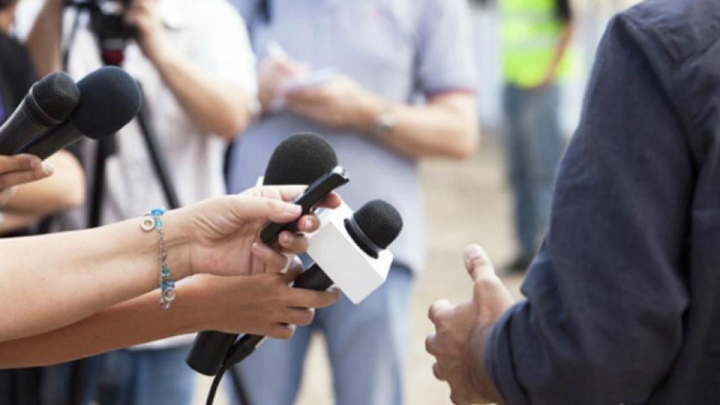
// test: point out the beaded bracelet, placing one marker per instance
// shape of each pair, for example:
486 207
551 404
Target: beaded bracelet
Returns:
151 221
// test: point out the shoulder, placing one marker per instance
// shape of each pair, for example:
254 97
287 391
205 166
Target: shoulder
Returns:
683 29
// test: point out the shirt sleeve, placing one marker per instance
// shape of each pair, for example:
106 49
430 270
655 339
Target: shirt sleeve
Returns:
603 319
445 59
222 45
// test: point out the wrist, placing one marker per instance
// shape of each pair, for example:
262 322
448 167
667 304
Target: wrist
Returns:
371 107
475 356
177 245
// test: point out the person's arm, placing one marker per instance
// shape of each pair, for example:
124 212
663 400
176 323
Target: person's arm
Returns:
63 191
215 104
446 126
565 13
444 70
606 296
50 281
263 305
45 37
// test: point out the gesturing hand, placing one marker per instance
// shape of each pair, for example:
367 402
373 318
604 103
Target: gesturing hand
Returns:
223 233
455 345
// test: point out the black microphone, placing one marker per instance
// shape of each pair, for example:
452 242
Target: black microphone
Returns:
372 228
302 158
49 102
110 98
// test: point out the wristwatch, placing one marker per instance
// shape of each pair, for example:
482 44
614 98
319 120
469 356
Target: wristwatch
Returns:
384 124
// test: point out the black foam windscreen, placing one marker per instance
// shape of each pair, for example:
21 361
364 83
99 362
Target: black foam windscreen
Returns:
300 159
56 95
379 221
110 99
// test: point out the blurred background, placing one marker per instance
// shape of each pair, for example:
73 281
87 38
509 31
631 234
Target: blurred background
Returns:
465 202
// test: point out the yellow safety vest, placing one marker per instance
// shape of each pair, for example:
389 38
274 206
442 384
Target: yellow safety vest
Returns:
530 30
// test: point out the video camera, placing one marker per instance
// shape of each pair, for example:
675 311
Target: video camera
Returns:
107 23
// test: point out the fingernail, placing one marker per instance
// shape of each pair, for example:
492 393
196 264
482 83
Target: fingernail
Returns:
293 209
286 239
34 162
48 168
308 223
472 253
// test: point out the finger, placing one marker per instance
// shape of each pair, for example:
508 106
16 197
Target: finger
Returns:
18 162
285 193
6 195
291 242
300 316
282 331
430 344
294 270
437 371
308 223
438 308
332 200
477 263
17 178
274 261
268 209
302 298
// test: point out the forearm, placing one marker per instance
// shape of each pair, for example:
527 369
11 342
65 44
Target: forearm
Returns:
44 39
50 281
133 322
215 105
476 355
560 49
15 221
445 127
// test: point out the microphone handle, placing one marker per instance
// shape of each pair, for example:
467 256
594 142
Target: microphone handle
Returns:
209 351
19 129
313 278
59 137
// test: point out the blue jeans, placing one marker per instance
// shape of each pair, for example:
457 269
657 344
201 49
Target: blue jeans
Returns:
126 377
533 146
366 343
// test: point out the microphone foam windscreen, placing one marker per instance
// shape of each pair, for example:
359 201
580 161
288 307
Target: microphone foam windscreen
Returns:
57 95
110 99
379 221
300 159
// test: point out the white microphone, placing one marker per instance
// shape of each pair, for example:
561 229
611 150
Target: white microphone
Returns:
347 255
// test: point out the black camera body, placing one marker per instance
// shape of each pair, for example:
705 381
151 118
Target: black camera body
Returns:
108 25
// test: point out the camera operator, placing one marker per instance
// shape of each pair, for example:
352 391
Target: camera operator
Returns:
195 66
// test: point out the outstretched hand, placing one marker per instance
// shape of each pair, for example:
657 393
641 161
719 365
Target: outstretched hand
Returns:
455 343
223 233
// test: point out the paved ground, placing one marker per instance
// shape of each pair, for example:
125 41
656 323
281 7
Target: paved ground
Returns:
465 202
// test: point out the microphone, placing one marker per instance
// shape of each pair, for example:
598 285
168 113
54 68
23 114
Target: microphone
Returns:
303 158
49 102
110 98
351 249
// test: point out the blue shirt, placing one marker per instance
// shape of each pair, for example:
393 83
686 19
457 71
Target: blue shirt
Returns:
623 301
399 49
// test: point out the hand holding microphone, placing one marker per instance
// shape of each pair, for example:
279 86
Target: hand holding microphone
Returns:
17 170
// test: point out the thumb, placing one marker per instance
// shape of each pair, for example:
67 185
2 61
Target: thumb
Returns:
477 263
489 290
254 208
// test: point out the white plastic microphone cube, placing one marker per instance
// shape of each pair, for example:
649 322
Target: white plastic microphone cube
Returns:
333 249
